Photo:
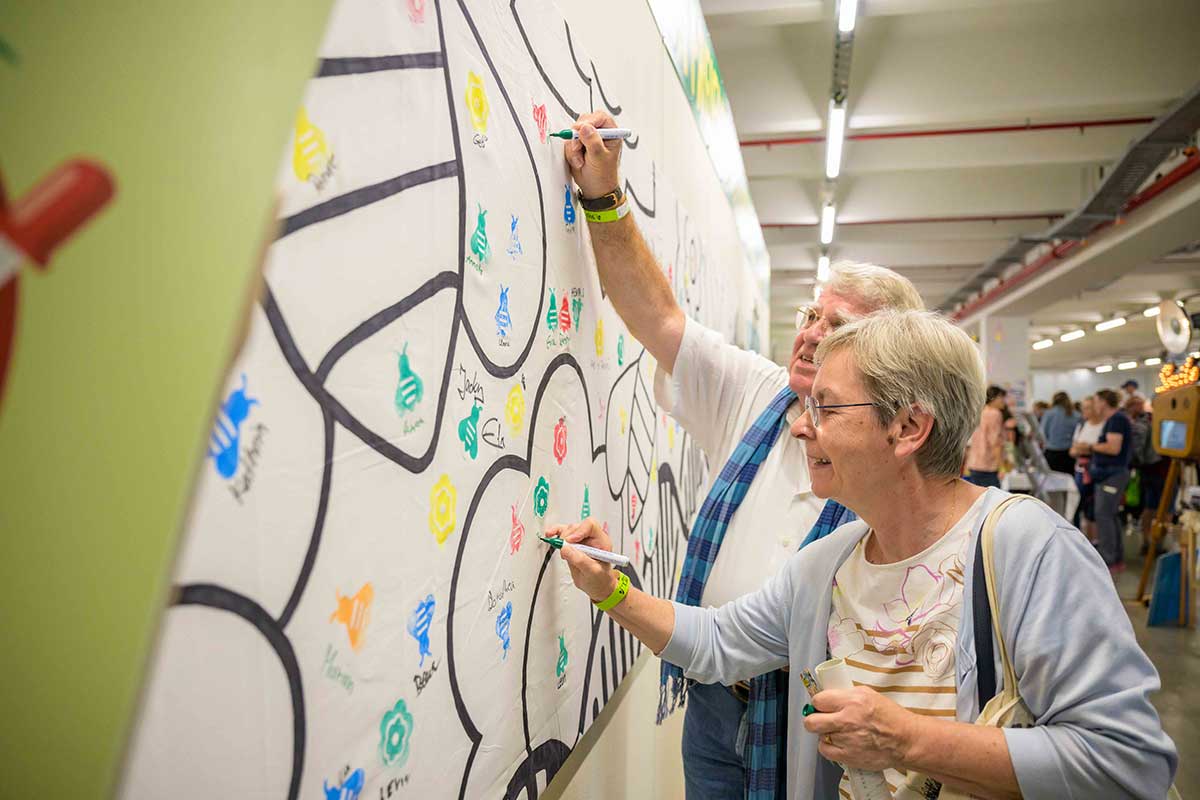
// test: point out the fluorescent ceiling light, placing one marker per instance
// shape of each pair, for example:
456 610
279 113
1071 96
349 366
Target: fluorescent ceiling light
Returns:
1152 362
1043 344
847 13
1071 336
1127 365
823 268
1104 368
828 219
1109 324
1152 311
834 140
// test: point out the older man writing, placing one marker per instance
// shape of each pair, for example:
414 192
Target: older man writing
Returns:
736 406
894 595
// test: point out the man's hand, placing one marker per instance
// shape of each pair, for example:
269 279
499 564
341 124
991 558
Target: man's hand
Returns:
594 162
865 730
594 578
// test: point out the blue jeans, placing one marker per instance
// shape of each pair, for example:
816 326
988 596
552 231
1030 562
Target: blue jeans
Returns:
714 738
984 479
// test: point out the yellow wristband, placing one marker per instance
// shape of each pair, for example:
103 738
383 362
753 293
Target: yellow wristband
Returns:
608 215
617 595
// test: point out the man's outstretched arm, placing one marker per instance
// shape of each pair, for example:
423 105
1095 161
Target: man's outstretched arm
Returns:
631 277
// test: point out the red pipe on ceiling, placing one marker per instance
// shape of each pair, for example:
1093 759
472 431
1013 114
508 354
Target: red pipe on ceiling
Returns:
1056 253
1046 215
1041 126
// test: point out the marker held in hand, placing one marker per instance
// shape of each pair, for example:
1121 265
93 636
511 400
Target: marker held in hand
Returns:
605 133
599 555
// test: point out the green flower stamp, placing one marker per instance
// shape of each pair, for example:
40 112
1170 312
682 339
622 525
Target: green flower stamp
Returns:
395 735
541 496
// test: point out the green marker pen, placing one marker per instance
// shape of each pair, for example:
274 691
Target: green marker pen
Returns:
596 553
605 133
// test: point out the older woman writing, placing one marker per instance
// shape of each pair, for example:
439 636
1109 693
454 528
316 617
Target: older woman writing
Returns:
894 402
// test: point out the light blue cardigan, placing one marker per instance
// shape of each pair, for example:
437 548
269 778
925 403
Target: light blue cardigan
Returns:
1080 669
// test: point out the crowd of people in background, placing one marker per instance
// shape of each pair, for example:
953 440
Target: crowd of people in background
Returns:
1104 440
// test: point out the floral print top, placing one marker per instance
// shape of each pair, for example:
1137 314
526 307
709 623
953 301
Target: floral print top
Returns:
896 625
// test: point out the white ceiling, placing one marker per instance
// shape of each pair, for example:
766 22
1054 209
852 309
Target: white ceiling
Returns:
938 207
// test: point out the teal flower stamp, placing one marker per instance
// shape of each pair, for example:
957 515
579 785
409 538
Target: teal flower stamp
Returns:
541 496
395 735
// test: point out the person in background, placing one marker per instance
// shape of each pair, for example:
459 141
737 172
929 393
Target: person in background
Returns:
985 451
1058 426
736 405
1109 468
1039 409
1130 389
1150 466
1086 435
892 594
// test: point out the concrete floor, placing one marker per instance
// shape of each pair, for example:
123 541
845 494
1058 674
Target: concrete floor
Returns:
1176 654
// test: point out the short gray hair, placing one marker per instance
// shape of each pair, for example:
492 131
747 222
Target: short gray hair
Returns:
877 287
918 358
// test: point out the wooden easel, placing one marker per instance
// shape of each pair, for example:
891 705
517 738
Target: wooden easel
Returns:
1158 530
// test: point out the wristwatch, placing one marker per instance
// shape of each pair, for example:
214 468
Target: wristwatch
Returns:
604 202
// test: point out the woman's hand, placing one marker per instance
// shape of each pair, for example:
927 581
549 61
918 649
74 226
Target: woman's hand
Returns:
861 728
594 578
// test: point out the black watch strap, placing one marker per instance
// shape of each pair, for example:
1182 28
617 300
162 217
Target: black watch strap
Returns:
604 202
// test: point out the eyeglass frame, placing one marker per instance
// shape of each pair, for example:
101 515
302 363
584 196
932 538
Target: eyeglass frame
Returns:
814 317
814 408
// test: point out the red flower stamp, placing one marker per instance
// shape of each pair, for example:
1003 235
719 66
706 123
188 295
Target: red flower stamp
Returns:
560 440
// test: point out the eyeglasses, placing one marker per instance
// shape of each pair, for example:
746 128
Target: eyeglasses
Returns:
807 317
814 408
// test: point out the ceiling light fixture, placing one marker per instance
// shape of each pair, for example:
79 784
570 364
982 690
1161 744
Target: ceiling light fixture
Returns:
828 220
834 140
847 14
1043 344
823 268
1152 362
1104 368
1071 336
1127 365
1109 324
1152 311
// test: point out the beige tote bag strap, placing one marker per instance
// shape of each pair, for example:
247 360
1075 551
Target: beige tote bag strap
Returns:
987 541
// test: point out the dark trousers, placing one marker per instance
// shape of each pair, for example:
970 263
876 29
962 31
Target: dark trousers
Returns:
1109 493
1060 461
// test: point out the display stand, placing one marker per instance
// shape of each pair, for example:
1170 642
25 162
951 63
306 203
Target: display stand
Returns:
1187 545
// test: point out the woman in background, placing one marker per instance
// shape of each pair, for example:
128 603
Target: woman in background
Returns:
986 449
1086 435
1058 426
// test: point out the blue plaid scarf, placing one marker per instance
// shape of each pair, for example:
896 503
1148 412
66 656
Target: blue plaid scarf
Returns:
766 749
767 711
708 531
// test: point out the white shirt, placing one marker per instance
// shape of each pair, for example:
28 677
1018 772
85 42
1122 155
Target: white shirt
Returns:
1088 432
716 392
896 625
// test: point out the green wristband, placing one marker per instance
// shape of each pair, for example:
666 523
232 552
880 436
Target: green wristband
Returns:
608 215
617 595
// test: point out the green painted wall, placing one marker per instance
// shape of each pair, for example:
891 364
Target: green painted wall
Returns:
121 344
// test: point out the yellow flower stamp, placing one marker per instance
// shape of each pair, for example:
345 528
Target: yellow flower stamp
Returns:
477 104
443 500
514 409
